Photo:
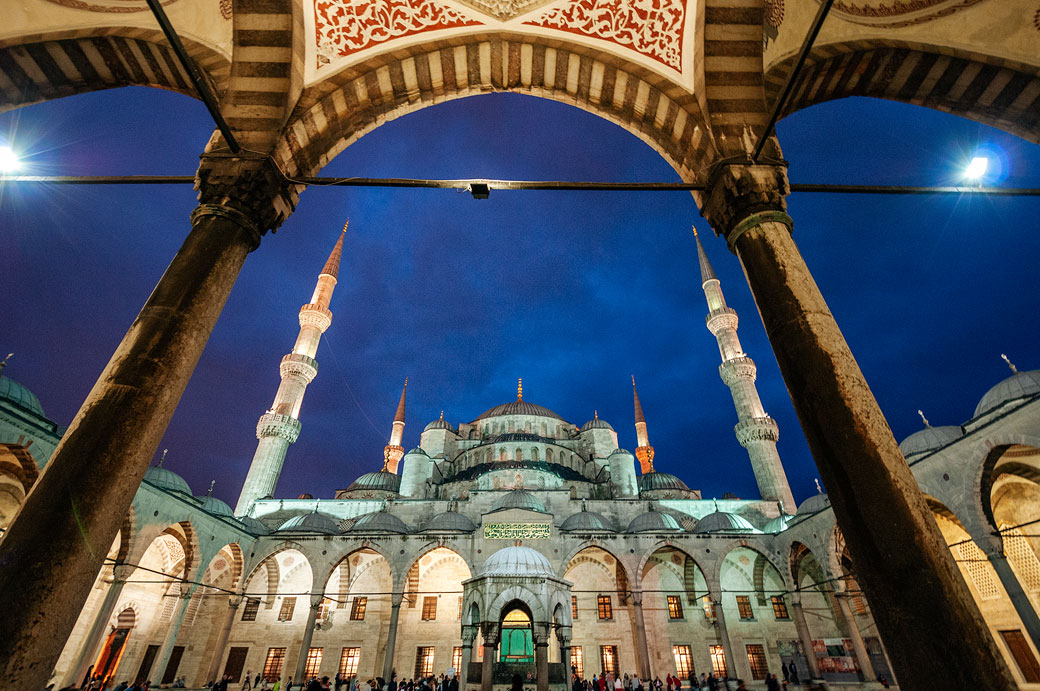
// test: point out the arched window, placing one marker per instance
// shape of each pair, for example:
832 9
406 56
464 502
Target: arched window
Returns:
544 433
517 643
519 454
548 455
527 426
534 454
502 454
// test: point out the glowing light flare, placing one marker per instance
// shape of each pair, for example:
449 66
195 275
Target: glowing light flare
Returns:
8 160
977 168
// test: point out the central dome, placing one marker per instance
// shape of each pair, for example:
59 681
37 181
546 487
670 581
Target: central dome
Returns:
518 407
518 561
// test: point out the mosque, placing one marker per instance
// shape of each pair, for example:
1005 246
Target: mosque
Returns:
520 542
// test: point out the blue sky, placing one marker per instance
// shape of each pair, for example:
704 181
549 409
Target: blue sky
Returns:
571 291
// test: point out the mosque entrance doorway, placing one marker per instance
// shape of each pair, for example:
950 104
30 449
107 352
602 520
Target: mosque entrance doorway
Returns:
517 638
115 645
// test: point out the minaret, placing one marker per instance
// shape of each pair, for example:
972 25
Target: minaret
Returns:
644 452
393 451
755 430
280 425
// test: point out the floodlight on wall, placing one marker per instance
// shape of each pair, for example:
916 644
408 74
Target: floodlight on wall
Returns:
977 168
479 190
8 160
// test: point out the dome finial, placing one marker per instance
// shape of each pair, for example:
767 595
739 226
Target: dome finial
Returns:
924 419
1004 357
162 458
442 416
595 415
818 487
3 363
584 507
716 504
209 492
519 389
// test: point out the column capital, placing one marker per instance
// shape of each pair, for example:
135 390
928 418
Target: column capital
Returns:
469 634
736 191
490 632
637 597
396 598
121 573
249 189
316 600
235 600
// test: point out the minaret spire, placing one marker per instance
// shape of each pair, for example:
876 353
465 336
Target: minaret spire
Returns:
644 452
755 430
280 425
393 452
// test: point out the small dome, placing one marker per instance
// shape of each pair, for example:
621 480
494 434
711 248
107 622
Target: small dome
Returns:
778 524
417 450
929 439
596 423
517 561
439 424
313 522
253 525
383 480
519 499
655 480
1018 385
584 521
814 504
12 391
450 520
379 521
615 452
211 504
167 480
518 407
724 522
653 522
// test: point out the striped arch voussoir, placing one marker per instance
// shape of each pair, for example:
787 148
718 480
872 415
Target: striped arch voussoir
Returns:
983 88
335 113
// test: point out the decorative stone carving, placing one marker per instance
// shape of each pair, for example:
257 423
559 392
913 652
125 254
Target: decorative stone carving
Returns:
274 425
734 191
251 186
315 315
653 28
732 371
724 318
298 365
757 429
110 6
506 9
895 13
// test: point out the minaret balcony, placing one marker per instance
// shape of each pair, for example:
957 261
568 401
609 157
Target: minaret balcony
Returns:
757 429
274 425
720 319
298 365
316 315
738 369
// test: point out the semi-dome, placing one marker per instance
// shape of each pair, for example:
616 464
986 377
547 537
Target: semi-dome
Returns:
167 480
653 522
382 480
660 481
253 525
16 393
929 439
519 499
778 524
596 423
313 522
584 521
814 504
724 522
379 521
518 407
517 561
1018 385
450 520
212 505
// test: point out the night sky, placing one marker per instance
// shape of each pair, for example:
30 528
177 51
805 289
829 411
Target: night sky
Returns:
571 291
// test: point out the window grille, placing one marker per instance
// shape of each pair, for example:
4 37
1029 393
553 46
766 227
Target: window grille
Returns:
357 608
979 570
780 607
251 608
683 660
429 608
744 607
574 606
423 662
605 609
674 607
288 607
718 660
756 657
1022 557
348 661
609 657
456 658
578 661
273 664
313 663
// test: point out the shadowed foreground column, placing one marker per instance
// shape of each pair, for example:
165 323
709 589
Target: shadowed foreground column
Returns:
924 611
81 499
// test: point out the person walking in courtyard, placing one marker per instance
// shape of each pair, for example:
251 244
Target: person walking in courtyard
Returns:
246 682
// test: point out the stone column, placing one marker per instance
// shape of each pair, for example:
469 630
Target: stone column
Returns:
563 634
225 632
82 496
727 647
166 649
541 656
642 652
391 635
804 637
1019 599
88 651
860 650
468 634
308 634
487 667
905 567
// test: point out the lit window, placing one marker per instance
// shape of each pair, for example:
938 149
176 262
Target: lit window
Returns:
709 607
324 608
456 658
252 607
609 658
273 664
574 606
718 660
423 662
683 661
756 657
460 607
348 661
288 607
429 608
357 608
744 607
313 663
606 611
578 661
674 607
780 607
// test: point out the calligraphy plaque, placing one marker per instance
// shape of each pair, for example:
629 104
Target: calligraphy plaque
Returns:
517 531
